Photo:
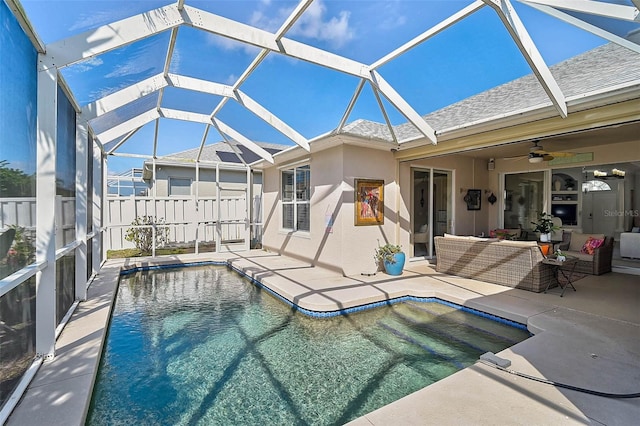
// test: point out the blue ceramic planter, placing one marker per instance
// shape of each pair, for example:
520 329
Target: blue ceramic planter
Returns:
395 268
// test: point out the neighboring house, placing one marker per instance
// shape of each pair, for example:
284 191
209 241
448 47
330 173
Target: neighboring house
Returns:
176 173
484 144
184 197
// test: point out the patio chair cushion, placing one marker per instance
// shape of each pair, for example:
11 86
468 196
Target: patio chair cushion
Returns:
578 240
590 246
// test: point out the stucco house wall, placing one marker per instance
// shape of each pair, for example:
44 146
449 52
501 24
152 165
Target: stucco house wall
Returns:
467 173
334 241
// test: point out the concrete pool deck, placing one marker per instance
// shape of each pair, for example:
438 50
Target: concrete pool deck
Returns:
589 339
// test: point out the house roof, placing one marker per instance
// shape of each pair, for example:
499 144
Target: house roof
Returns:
224 152
599 70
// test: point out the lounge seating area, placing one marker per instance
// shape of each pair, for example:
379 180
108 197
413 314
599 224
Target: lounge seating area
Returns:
516 264
594 251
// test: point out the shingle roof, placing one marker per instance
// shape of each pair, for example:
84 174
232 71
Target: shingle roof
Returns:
221 151
604 67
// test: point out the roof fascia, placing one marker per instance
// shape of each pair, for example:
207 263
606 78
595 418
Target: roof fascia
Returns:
585 26
112 36
520 36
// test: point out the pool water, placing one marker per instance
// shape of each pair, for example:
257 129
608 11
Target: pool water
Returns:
202 345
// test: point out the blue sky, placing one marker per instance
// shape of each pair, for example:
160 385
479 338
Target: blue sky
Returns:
474 55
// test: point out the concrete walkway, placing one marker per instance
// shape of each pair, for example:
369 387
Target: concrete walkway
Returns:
589 338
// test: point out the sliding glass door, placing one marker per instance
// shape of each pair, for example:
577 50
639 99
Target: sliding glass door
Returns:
432 208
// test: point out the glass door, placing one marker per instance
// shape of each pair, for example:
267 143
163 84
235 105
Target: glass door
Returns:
432 208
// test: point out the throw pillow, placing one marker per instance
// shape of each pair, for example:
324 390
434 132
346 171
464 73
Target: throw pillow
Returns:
591 245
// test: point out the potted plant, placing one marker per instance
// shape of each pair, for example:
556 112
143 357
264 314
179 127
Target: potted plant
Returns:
391 257
560 256
544 226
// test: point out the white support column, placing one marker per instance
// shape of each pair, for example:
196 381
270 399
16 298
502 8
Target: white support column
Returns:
218 210
197 204
247 229
104 170
81 209
98 236
45 205
155 208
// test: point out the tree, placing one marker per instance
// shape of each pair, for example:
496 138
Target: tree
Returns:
15 182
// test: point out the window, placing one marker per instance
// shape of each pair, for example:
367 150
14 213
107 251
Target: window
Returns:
296 192
179 186
595 185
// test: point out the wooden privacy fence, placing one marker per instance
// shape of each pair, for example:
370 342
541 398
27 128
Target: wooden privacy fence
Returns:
186 218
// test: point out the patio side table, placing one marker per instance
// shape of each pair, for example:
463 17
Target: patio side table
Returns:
559 267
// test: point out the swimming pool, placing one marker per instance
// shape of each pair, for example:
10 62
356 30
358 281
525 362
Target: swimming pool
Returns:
202 345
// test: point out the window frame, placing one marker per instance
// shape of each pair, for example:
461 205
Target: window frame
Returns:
171 178
295 200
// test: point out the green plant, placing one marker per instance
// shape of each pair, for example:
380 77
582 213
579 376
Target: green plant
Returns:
141 233
22 251
544 225
385 253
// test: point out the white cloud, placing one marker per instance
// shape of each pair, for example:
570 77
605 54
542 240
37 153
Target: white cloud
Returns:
87 65
87 21
231 79
230 44
316 25
313 24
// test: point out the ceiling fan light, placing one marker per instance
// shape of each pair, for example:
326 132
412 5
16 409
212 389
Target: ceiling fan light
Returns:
536 159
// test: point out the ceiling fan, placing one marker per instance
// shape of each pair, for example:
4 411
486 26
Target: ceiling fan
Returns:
537 154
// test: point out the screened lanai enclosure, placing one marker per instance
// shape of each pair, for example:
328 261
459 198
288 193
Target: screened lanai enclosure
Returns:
160 116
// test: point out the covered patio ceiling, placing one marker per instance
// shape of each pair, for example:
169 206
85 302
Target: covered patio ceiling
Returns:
116 111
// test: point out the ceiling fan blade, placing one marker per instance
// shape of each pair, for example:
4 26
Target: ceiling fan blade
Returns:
547 157
561 154
517 157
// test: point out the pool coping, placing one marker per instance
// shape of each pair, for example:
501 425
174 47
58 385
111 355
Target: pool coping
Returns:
60 392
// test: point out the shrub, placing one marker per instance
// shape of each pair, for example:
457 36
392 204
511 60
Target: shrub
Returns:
143 237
